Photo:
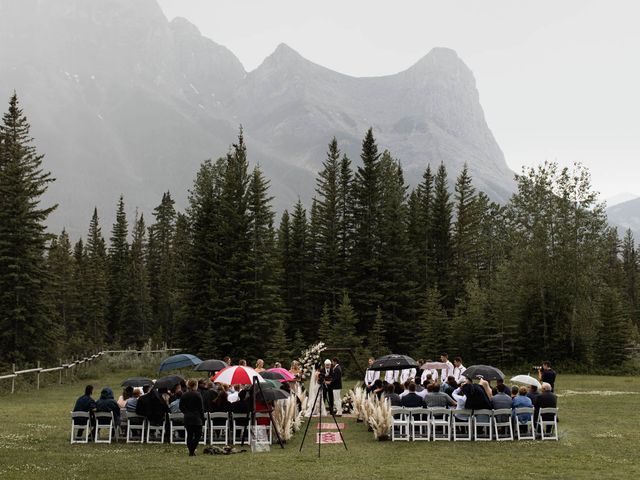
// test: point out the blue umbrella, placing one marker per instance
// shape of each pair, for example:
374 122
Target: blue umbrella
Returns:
179 361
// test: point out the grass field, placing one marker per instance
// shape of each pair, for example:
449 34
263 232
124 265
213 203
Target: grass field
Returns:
599 438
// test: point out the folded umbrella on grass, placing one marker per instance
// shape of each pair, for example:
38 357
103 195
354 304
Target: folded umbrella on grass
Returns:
169 381
484 371
137 382
526 380
181 360
210 366
394 362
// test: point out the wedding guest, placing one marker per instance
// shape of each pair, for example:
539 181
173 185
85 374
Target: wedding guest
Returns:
277 365
522 401
242 363
233 394
547 399
191 407
398 388
429 374
127 393
391 396
515 390
370 376
391 376
227 360
132 402
418 375
221 404
208 394
533 393
436 398
260 366
405 388
379 388
412 399
85 403
448 369
500 385
406 375
461 401
501 400
478 395
449 386
106 403
174 405
458 369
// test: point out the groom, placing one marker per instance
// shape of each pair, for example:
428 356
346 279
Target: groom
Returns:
336 386
326 378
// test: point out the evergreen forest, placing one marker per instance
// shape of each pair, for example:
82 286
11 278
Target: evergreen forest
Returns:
369 264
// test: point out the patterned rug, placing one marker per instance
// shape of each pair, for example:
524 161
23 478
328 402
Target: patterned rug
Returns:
329 426
328 437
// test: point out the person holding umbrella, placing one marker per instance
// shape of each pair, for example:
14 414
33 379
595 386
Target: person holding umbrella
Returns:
193 410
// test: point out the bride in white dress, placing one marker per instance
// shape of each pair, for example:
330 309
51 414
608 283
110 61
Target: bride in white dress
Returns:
313 391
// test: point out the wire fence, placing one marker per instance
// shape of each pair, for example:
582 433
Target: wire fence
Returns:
69 369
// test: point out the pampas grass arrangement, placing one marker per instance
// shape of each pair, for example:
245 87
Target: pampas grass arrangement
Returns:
379 417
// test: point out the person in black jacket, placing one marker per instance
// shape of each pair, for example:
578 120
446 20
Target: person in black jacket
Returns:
193 410
336 386
106 403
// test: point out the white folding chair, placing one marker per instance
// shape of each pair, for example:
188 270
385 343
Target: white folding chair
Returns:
461 425
400 424
155 433
502 424
80 427
135 428
548 423
440 423
205 429
104 422
219 428
239 423
524 428
482 425
420 423
177 432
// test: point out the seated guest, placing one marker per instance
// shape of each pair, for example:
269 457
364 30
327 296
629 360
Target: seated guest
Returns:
243 405
405 387
106 403
153 407
145 389
478 395
398 388
522 401
515 390
412 399
547 399
533 393
174 405
85 403
221 404
501 400
449 386
378 388
127 393
391 396
500 385
132 402
436 398
233 394
208 395
461 401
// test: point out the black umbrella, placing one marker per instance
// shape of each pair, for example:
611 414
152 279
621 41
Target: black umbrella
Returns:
210 366
485 371
272 376
269 394
394 362
169 381
137 382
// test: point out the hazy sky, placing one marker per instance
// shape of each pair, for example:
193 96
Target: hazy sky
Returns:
558 80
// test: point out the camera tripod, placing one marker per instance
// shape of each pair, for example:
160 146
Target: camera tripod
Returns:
320 393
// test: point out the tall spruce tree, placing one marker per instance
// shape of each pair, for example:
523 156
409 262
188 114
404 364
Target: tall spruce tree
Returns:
299 263
136 329
365 260
95 286
344 327
441 241
24 324
433 326
465 232
118 273
631 269
162 268
614 333
345 221
377 338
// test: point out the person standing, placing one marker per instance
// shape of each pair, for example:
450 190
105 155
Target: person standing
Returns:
547 375
447 370
458 370
326 379
370 376
336 386
391 376
193 410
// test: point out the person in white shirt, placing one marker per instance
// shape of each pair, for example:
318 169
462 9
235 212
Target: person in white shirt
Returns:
461 400
426 372
458 369
448 370
391 376
407 374
370 376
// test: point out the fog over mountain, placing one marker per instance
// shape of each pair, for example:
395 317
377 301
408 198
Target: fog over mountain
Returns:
123 101
625 216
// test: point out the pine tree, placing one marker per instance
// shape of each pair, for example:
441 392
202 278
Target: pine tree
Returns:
344 327
95 286
441 237
631 268
118 272
433 328
465 232
614 333
286 268
325 328
328 189
345 221
299 263
278 344
162 269
136 329
365 261
377 340
24 326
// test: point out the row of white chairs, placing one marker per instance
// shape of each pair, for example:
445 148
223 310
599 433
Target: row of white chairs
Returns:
217 428
433 424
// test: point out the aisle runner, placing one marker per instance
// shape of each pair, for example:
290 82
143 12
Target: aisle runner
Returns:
328 437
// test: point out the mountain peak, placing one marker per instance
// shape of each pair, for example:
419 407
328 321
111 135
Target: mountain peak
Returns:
440 57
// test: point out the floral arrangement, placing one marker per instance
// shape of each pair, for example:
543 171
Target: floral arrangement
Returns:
286 416
310 357
348 399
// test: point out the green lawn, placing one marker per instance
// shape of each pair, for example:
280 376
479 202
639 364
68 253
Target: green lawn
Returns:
599 434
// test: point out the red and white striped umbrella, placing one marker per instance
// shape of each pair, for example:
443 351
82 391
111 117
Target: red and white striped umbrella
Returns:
237 375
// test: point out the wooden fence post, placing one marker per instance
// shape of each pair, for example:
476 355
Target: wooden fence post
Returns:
13 380
38 377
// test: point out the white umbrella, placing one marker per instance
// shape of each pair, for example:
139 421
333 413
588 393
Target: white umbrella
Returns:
237 375
434 366
527 380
